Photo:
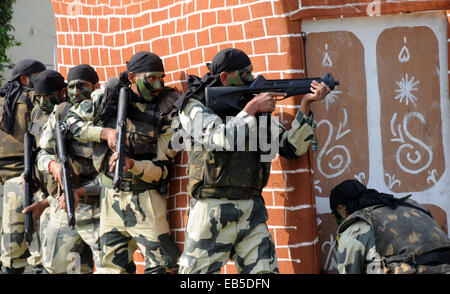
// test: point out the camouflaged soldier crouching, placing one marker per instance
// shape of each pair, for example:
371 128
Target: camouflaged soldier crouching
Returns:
16 104
227 216
68 250
136 216
380 234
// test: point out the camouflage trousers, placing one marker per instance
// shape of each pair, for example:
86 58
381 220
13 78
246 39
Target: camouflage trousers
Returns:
16 253
220 229
131 220
73 251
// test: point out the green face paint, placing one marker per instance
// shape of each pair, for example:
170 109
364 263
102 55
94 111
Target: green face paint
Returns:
149 84
79 90
32 79
48 101
242 77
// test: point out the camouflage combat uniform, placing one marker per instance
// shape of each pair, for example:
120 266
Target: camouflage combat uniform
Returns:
227 216
67 250
136 216
14 250
379 240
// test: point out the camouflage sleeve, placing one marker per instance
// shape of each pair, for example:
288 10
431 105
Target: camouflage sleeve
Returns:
81 119
47 143
295 142
202 126
158 168
356 248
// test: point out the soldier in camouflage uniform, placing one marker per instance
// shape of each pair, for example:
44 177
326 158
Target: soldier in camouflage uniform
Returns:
136 215
227 215
16 103
69 250
380 234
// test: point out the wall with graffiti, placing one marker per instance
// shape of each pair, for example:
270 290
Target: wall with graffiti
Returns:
387 123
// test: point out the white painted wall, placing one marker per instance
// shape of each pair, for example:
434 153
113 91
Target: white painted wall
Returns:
368 34
34 23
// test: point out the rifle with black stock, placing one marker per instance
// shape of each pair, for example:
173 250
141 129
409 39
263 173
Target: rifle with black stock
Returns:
121 132
29 157
226 99
63 159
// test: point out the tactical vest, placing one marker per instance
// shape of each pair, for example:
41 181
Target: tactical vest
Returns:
11 145
402 233
80 153
142 132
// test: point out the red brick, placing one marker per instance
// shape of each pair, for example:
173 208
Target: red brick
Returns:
83 24
93 25
67 56
158 16
182 201
85 56
151 33
126 23
106 11
261 9
134 36
133 9
189 40
254 29
168 28
114 24
175 11
119 40
203 38
267 45
210 52
108 40
208 18
193 22
176 44
76 56
103 25
141 21
282 62
196 56
95 58
142 47
110 72
183 60
281 26
224 16
235 32
164 3
170 63
78 40
181 25
175 219
161 47
218 34
174 187
276 217
241 14
245 46
202 5
127 53
216 4
291 44
116 57
259 63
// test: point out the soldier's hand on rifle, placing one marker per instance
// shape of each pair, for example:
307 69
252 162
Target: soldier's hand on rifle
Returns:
55 169
109 135
127 162
319 92
262 103
77 193
36 209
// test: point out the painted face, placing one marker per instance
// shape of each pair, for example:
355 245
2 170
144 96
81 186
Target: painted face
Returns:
150 84
79 90
242 77
48 101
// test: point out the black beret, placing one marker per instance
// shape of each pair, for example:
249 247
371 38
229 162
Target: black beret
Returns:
28 67
145 61
83 72
228 60
48 81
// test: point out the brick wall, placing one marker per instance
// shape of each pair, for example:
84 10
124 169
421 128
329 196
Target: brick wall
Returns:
186 34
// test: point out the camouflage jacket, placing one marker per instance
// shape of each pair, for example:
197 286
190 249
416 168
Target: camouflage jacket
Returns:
217 168
378 239
11 146
85 125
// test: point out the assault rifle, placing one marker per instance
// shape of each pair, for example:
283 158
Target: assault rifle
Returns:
61 130
228 99
29 156
121 132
